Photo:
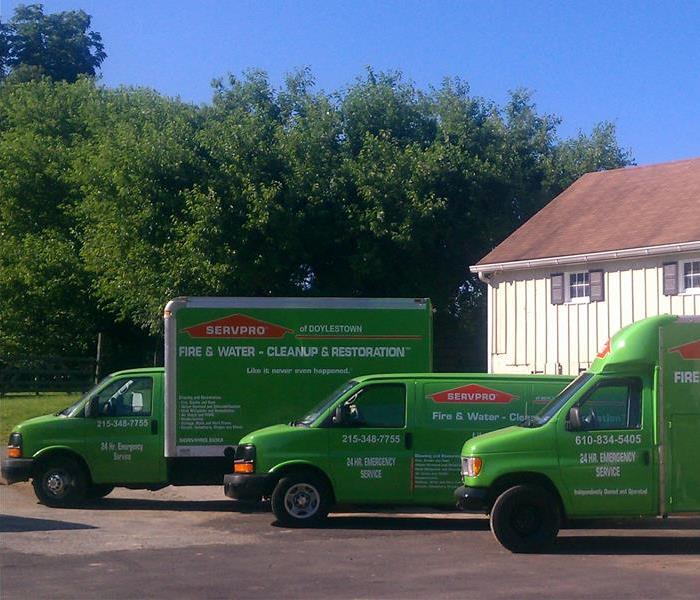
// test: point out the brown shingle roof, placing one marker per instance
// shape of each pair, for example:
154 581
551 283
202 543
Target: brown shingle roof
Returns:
612 210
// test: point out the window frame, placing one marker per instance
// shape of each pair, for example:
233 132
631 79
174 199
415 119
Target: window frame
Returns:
568 299
104 401
358 394
632 383
682 289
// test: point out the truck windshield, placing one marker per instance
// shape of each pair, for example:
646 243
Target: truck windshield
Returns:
551 409
320 408
70 411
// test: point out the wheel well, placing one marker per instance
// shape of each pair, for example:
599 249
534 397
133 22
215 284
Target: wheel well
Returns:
61 453
525 478
287 469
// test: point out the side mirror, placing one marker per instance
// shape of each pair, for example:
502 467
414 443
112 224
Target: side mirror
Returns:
340 416
574 420
92 407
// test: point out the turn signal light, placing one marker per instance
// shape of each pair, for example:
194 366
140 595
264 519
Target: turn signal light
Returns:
244 467
14 452
471 466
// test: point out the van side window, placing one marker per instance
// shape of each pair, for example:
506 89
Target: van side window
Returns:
381 405
614 404
127 397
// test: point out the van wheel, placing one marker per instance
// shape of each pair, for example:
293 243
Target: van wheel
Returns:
301 499
525 518
98 490
60 482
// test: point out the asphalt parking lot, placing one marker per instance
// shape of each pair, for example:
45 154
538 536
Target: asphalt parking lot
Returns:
193 542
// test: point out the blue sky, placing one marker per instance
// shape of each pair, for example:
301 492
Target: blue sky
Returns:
636 64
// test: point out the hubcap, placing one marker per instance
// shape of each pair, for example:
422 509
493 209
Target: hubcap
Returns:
57 483
526 520
302 500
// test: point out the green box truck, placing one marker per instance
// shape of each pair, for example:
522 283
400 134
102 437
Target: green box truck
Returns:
380 440
232 365
620 441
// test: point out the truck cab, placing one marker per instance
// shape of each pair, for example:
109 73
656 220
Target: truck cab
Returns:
617 442
112 436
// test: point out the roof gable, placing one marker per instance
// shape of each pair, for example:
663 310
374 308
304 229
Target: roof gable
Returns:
633 207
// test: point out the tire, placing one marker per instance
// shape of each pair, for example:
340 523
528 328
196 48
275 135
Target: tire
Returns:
97 491
59 482
301 499
525 518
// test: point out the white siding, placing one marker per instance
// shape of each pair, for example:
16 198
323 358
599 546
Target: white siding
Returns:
531 335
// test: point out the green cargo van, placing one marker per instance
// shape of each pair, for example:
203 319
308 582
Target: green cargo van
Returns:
232 365
380 440
620 441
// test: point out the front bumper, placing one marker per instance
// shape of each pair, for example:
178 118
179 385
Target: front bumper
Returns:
253 486
473 499
17 469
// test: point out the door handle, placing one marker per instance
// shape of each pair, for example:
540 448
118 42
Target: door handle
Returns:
408 440
646 458
154 426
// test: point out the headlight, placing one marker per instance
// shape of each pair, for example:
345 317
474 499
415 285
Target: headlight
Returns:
471 466
14 446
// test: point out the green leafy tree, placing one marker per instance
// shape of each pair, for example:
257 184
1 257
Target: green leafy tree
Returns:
45 304
114 201
61 46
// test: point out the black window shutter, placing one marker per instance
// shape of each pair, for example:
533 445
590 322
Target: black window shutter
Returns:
557 280
670 279
597 282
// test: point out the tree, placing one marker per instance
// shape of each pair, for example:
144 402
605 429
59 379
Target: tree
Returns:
114 201
60 46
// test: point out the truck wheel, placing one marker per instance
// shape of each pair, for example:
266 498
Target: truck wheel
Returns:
525 518
60 482
98 490
301 499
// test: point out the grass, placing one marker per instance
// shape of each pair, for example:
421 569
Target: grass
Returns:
15 408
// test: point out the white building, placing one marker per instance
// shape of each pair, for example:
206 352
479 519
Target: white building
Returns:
615 247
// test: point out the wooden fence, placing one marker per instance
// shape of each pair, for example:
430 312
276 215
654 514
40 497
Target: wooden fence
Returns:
46 374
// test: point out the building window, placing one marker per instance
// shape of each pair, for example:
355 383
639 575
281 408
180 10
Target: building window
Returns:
691 276
579 288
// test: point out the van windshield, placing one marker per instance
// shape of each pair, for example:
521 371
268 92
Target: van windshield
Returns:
551 409
320 408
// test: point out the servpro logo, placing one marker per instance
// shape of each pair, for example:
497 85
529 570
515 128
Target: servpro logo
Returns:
473 393
690 351
237 326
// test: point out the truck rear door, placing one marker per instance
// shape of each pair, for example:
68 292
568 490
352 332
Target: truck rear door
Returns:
680 414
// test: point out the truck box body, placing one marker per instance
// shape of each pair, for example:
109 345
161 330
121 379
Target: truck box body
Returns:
620 441
232 365
399 441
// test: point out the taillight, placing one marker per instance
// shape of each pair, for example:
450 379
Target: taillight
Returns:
14 446
244 459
